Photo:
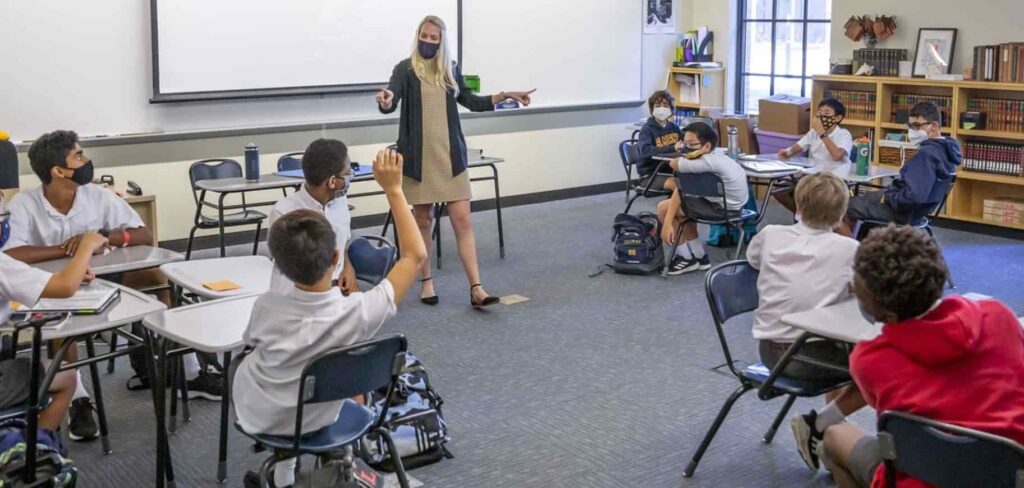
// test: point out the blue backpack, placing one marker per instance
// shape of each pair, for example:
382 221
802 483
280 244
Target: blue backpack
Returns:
637 241
51 465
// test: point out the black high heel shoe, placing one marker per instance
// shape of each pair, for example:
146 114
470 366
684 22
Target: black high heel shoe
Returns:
432 300
486 302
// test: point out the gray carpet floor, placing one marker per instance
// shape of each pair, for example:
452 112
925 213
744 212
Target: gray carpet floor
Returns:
594 382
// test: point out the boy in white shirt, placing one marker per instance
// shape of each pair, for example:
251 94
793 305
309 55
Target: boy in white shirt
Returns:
699 141
23 283
802 267
825 143
289 328
327 170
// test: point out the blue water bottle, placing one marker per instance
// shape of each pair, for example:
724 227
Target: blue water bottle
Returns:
252 162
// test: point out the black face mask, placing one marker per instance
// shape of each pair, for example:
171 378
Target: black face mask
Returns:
83 174
428 49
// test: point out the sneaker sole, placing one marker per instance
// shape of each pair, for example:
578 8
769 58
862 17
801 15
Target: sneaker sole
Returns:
192 394
705 267
78 438
802 434
690 269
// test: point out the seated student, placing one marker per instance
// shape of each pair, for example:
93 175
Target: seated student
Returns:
924 180
48 222
660 135
326 168
25 284
825 143
699 142
290 328
947 359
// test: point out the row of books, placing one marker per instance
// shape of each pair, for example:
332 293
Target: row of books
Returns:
859 105
1000 159
684 113
903 102
885 61
1002 63
1000 115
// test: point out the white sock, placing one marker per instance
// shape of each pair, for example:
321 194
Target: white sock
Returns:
284 472
830 415
696 247
191 366
79 387
683 252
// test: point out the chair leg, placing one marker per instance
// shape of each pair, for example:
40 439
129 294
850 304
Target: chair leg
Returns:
403 481
191 237
266 469
668 261
629 204
438 212
256 238
692 467
768 436
743 238
113 349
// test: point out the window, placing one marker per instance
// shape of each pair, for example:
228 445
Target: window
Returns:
781 45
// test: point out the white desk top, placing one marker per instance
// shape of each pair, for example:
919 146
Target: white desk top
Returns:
252 273
842 322
848 173
214 326
130 307
473 163
120 260
266 182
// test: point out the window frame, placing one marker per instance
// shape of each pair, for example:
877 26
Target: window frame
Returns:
741 47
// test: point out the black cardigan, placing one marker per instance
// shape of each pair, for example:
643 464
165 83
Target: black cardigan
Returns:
406 85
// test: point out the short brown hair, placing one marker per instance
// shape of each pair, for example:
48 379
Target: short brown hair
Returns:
903 269
658 96
821 199
302 244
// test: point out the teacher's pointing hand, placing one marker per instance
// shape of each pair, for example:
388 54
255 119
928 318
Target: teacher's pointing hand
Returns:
522 97
384 98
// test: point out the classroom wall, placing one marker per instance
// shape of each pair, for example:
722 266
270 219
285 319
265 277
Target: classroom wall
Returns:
719 16
979 23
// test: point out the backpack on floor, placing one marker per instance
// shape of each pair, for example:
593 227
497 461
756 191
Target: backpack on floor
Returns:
414 420
52 468
637 241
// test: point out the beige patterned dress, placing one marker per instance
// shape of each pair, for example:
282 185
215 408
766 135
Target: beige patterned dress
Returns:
438 184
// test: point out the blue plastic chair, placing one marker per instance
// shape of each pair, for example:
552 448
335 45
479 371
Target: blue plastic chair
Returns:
731 289
372 262
629 155
215 169
947 455
290 162
340 374
710 186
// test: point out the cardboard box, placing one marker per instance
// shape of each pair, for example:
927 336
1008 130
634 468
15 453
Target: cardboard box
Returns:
787 114
745 124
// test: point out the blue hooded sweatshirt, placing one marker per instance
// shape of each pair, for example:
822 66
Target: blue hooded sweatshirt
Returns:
654 140
925 178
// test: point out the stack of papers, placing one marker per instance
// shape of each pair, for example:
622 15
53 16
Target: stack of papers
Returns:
768 166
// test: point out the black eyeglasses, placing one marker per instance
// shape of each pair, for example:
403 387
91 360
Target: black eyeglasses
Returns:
916 125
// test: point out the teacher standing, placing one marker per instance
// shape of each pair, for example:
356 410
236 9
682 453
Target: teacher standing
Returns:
430 140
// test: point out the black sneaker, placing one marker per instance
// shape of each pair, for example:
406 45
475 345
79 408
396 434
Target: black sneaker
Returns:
81 426
807 438
207 385
682 265
705 262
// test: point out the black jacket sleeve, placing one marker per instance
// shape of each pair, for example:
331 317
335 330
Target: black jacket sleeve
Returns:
397 86
475 103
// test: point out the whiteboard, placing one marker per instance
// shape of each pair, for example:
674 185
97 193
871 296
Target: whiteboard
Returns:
232 45
92 70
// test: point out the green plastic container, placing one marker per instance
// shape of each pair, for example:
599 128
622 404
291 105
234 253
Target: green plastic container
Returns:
863 162
472 82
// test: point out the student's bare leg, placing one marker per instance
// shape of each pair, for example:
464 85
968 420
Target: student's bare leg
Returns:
462 224
848 399
838 446
663 210
61 390
670 184
424 215
689 231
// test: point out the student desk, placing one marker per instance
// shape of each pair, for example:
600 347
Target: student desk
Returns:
190 327
227 186
129 308
120 260
251 273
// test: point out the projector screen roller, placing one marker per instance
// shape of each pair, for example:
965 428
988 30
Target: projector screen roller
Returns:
240 48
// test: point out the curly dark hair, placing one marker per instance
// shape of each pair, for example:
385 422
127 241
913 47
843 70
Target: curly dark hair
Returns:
903 268
51 150
302 244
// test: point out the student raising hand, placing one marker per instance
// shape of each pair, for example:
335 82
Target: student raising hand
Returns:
387 169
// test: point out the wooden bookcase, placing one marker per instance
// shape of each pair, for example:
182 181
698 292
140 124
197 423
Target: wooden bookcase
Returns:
707 92
966 202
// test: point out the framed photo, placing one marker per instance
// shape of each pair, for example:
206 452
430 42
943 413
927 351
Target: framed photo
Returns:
658 17
934 51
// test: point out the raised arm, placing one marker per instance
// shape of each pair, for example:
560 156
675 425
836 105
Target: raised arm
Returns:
388 98
387 170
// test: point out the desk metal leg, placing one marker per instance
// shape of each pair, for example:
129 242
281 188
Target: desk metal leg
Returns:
97 392
157 359
497 209
436 233
220 221
225 401
172 418
113 348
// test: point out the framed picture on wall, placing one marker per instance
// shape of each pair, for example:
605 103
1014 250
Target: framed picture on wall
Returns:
934 51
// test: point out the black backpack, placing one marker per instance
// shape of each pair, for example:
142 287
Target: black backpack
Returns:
637 241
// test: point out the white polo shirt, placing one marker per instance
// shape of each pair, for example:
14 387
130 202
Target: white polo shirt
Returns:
734 178
34 222
286 331
19 282
800 269
818 153
337 213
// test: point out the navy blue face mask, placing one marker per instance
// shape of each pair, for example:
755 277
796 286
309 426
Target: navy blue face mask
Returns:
428 49
5 228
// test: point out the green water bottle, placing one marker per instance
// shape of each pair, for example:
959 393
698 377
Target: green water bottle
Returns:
863 148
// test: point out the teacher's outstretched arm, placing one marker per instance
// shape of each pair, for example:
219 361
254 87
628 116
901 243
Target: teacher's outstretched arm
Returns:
388 98
484 103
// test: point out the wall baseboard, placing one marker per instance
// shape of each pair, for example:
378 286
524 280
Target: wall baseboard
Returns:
377 220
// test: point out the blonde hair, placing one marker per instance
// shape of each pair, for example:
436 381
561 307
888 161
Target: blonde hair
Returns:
821 199
444 74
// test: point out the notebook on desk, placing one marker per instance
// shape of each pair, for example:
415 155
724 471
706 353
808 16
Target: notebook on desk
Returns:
794 160
768 167
90 299
357 171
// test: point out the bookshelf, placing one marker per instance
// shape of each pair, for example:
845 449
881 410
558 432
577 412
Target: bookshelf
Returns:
966 202
707 90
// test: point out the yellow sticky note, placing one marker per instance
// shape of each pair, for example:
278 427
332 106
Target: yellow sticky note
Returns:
15 305
221 285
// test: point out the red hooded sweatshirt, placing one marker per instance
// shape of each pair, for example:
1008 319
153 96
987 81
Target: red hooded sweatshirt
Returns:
961 363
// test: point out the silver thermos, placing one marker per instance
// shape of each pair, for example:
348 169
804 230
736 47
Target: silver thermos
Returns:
734 142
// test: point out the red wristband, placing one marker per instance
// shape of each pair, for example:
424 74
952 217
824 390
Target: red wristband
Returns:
125 237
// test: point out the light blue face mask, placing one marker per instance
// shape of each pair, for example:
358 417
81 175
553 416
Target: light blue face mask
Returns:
5 228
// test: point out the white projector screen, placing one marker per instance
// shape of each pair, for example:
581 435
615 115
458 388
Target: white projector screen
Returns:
220 49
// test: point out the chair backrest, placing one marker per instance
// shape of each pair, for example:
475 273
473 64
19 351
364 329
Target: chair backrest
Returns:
629 155
372 262
731 289
707 185
290 162
212 169
945 198
947 455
